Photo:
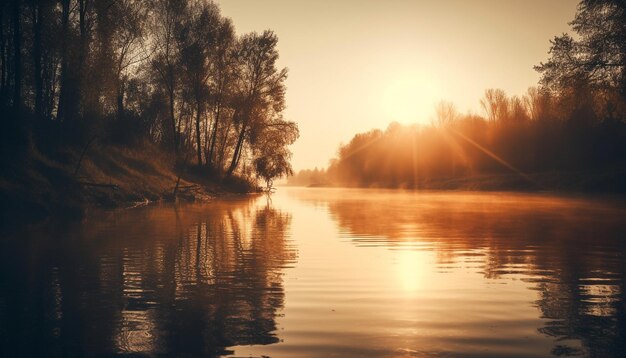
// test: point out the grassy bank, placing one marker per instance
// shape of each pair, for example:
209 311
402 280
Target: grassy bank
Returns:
106 176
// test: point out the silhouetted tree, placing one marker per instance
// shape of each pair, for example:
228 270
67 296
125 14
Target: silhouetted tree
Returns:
199 36
129 49
167 18
495 104
271 154
173 72
223 75
597 56
261 94
17 57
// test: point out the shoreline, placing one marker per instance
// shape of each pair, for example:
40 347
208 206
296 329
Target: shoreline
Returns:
608 182
36 187
115 178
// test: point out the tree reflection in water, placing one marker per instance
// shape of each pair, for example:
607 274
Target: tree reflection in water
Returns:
571 250
158 280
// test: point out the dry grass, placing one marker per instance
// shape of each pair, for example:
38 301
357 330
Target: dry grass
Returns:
38 186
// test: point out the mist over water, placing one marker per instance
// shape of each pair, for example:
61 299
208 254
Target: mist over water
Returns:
315 272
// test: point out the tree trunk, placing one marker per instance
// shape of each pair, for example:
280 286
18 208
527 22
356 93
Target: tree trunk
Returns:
235 161
79 77
209 159
239 156
180 136
120 100
37 76
17 57
51 82
198 139
173 119
3 57
205 148
63 91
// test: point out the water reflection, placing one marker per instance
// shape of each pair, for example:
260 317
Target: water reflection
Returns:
375 273
191 281
571 250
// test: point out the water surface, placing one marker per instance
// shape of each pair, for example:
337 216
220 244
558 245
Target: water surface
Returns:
324 272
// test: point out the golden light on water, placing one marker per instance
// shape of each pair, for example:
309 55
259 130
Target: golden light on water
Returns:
362 272
410 270
302 179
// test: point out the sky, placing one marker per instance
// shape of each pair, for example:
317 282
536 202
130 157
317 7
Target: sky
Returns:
356 65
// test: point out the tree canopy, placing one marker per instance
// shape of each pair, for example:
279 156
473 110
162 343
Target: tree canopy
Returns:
170 71
595 55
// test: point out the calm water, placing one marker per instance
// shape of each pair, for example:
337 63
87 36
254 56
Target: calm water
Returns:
324 272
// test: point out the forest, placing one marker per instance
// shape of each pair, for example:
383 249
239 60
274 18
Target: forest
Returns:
170 75
570 127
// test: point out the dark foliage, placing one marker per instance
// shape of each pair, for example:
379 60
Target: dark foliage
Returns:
171 72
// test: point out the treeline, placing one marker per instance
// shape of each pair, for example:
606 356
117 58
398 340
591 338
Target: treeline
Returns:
574 121
532 134
172 72
310 177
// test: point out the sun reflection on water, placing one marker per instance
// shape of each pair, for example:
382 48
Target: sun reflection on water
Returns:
411 265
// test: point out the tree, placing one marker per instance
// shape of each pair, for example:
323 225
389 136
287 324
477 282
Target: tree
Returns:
223 75
128 45
17 58
597 56
261 89
272 156
173 71
199 36
495 104
37 19
446 113
64 88
167 17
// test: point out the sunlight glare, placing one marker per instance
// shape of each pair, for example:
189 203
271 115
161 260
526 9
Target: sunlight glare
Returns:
410 266
411 98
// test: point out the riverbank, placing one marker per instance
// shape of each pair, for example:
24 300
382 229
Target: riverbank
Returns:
599 182
103 176
608 181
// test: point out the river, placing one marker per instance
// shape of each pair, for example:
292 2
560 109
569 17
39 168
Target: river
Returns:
324 272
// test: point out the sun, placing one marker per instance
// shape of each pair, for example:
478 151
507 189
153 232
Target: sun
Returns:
410 98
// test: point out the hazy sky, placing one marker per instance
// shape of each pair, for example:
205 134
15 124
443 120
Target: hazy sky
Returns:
355 65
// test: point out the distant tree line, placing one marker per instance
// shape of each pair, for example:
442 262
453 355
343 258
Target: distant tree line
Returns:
169 71
574 121
310 177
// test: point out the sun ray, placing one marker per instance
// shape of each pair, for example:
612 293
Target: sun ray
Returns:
497 158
